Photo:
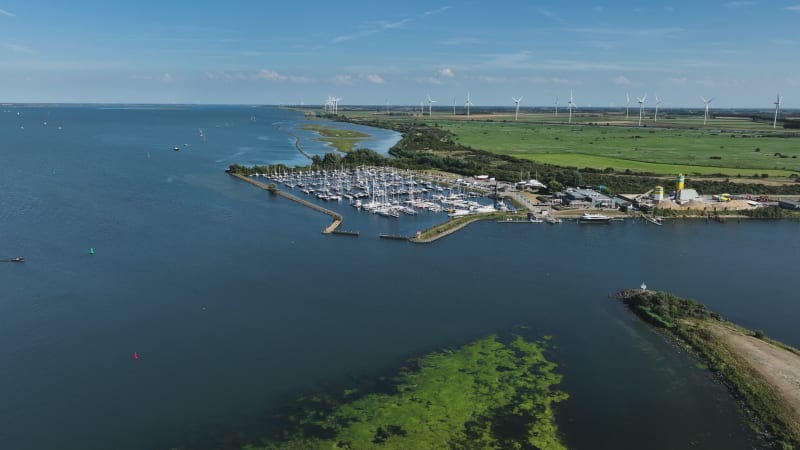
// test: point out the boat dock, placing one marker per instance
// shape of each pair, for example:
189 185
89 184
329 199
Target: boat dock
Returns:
337 218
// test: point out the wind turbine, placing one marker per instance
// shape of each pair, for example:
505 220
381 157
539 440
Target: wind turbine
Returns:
430 108
454 106
627 104
641 101
516 104
658 102
571 105
778 102
556 106
706 102
467 104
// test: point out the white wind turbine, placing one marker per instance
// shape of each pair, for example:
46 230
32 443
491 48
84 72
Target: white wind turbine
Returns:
706 103
641 101
571 105
430 107
627 104
335 101
658 102
556 106
778 102
467 104
454 106
516 105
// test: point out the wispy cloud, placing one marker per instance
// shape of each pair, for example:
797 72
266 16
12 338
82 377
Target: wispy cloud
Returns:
681 82
429 80
435 11
370 29
631 33
373 78
375 27
622 80
462 41
739 4
446 73
167 77
3 12
342 80
17 48
795 8
261 75
551 80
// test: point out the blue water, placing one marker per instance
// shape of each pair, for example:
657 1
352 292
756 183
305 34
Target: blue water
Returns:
235 301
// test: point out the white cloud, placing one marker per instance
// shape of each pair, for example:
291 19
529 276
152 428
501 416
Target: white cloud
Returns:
343 80
446 73
17 48
373 78
271 75
795 8
492 79
3 12
622 80
167 77
370 29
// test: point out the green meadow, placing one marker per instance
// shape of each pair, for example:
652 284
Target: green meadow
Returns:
647 149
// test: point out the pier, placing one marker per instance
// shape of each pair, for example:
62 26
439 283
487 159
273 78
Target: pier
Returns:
337 218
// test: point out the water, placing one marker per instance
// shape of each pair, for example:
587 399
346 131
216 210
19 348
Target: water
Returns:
235 301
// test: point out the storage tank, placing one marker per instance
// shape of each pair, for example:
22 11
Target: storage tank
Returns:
679 186
658 195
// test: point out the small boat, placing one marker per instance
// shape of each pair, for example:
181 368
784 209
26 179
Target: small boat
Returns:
593 218
17 259
176 149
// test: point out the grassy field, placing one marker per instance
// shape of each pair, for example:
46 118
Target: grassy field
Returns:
342 140
676 143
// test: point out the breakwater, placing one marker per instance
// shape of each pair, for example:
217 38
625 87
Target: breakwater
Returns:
296 142
337 218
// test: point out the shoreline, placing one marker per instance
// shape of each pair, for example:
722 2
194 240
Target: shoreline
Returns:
760 373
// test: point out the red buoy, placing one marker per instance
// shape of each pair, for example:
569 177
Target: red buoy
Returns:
135 356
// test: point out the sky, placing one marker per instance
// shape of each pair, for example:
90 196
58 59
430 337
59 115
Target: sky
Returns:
740 53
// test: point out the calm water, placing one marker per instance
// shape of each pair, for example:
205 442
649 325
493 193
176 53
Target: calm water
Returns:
235 301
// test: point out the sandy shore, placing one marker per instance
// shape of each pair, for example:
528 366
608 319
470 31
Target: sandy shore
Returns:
775 366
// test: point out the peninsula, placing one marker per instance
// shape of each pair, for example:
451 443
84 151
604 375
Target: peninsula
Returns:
760 372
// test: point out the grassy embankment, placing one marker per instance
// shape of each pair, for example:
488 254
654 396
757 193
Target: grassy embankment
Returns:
488 394
738 357
342 140
456 223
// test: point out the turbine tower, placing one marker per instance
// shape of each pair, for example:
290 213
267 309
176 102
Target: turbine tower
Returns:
467 104
658 102
571 105
706 103
430 106
556 106
778 102
516 106
627 104
454 106
641 101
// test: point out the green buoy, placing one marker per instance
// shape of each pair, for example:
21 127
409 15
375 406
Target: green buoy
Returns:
91 251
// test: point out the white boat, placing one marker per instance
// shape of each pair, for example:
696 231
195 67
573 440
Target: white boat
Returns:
593 218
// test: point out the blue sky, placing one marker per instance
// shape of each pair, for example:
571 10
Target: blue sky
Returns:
367 52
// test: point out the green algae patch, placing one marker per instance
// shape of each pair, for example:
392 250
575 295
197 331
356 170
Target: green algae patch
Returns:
485 395
342 140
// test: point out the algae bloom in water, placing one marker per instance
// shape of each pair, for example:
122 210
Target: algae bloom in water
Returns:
485 395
